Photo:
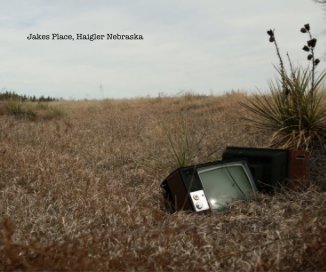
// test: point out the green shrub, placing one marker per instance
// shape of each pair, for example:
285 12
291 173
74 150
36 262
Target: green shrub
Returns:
48 111
20 109
32 110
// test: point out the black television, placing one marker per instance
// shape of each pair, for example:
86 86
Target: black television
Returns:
210 186
269 167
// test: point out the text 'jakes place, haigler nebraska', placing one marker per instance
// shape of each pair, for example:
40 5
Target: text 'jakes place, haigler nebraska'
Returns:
88 37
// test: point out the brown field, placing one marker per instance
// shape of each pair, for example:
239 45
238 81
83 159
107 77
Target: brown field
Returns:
81 192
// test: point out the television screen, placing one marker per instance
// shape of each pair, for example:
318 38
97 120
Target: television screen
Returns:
226 182
209 186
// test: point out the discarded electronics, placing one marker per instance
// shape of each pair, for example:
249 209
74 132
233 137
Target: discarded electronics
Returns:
272 167
238 176
209 186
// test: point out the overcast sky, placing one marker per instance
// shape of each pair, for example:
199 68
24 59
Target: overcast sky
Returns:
207 46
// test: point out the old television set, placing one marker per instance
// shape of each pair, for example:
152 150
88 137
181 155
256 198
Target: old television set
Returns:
272 168
210 186
269 167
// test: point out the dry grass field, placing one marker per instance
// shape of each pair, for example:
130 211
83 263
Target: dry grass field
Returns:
82 192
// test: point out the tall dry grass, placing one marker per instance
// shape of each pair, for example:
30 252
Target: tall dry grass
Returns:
82 193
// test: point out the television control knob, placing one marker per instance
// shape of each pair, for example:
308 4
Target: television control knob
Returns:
199 205
199 201
196 197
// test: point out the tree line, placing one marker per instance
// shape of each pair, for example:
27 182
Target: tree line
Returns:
7 95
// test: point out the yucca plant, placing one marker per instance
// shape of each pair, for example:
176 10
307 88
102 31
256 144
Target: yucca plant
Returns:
294 110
